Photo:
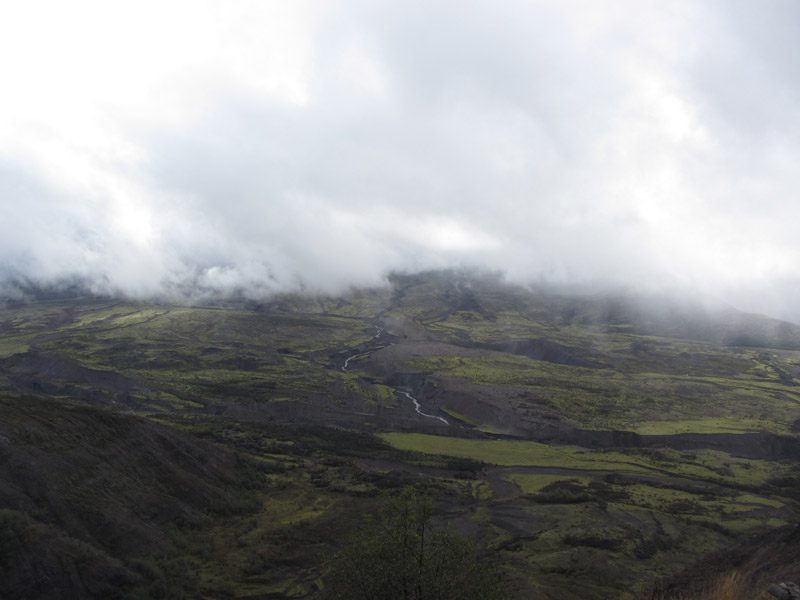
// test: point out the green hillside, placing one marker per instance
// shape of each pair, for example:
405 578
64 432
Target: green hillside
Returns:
591 445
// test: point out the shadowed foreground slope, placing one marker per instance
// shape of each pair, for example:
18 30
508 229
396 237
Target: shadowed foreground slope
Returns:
88 498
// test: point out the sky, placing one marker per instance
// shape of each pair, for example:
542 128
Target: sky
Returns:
214 147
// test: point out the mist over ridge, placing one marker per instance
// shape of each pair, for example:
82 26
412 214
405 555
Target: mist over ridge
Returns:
267 148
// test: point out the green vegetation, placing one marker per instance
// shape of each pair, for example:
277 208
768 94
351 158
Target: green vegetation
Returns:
198 507
402 556
606 399
706 464
631 514
197 355
153 451
468 421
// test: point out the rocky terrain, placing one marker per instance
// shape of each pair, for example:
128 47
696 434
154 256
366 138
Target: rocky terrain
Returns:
592 445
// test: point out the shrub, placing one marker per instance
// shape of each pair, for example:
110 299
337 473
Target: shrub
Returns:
400 557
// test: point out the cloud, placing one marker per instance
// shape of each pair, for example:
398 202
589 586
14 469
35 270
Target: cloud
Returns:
214 147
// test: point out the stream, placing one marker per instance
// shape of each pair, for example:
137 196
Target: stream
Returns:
355 356
419 409
379 331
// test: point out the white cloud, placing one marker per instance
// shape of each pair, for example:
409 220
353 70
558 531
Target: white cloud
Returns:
151 147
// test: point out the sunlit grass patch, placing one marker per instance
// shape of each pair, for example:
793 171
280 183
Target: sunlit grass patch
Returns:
708 425
11 346
481 489
517 453
468 421
750 498
706 465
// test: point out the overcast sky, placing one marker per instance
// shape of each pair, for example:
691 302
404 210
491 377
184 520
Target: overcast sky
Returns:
158 147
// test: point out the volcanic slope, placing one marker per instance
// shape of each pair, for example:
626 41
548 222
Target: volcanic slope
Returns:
489 355
609 441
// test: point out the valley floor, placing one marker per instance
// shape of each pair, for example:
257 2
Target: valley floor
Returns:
591 448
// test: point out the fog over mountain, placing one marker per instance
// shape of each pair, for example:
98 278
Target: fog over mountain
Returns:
207 147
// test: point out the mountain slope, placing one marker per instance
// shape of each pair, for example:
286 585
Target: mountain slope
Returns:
143 442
